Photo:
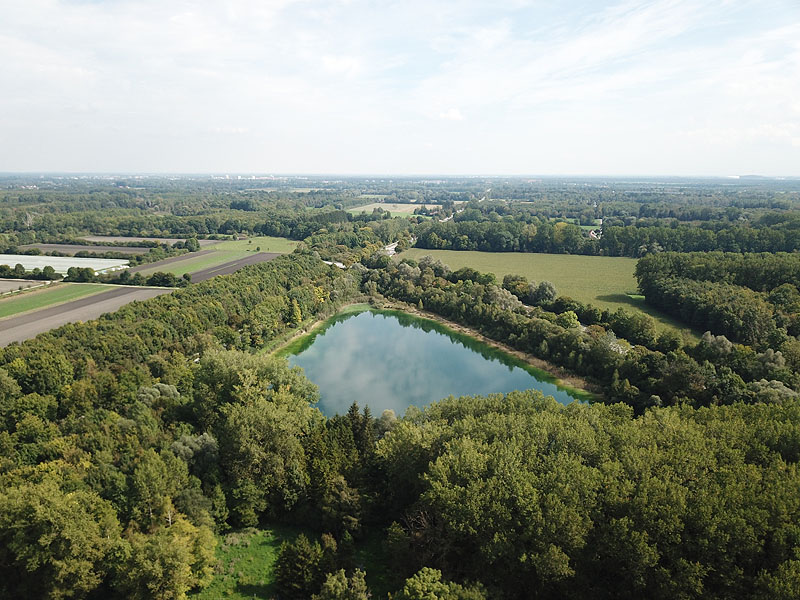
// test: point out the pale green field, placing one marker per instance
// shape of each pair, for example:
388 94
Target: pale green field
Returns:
56 293
266 243
604 281
396 210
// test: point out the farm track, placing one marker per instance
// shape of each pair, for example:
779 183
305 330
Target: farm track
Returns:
31 324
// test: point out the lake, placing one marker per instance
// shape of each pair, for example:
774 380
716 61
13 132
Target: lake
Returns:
391 360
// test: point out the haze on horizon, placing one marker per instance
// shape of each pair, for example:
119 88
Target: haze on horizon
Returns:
661 87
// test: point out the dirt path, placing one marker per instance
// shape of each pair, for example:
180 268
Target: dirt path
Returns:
31 324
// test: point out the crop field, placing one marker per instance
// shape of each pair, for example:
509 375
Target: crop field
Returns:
109 298
12 285
60 263
117 239
604 281
396 210
57 294
220 254
72 249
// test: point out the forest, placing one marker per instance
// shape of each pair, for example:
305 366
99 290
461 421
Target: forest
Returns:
131 443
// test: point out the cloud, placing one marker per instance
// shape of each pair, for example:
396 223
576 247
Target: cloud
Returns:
452 114
650 86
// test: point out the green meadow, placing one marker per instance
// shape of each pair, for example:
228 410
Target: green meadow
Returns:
607 282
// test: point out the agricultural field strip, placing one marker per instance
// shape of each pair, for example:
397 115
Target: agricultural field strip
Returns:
42 298
222 254
192 263
119 238
60 263
32 323
607 282
72 249
12 285
233 266
156 266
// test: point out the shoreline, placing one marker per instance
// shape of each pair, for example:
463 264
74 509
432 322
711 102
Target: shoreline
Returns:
561 377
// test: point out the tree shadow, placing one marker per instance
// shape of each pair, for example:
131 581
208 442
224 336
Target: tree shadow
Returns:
623 299
251 590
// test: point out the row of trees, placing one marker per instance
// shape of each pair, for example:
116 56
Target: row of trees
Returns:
751 298
513 234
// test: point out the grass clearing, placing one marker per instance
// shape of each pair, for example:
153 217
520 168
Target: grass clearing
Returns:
246 562
266 243
607 282
245 567
53 294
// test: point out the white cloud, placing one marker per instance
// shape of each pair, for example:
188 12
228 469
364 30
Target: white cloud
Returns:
648 86
452 114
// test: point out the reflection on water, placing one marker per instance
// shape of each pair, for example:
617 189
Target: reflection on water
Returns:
392 360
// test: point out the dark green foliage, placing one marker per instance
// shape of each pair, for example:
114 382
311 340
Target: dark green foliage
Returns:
298 570
536 499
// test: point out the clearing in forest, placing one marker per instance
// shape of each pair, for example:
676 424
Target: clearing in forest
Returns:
396 210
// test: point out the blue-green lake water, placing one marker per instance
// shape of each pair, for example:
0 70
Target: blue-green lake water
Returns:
390 360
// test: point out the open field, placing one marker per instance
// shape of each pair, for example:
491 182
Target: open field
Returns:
60 263
604 281
190 263
11 285
56 293
119 238
221 254
266 243
396 210
32 323
72 249
233 266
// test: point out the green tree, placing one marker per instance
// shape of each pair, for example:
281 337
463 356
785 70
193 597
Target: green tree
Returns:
338 586
297 569
427 584
54 544
167 563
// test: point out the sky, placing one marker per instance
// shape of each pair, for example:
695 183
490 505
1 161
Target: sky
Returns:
661 87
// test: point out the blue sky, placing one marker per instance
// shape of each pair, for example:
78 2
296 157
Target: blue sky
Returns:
290 86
